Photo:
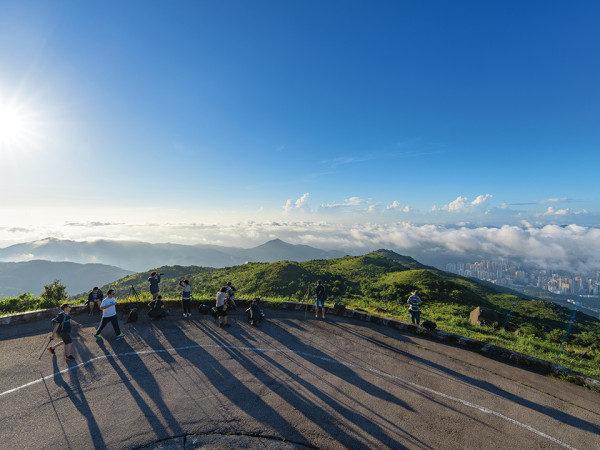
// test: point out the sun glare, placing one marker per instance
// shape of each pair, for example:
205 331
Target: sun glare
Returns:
19 127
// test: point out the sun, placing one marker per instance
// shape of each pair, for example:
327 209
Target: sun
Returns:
14 125
19 126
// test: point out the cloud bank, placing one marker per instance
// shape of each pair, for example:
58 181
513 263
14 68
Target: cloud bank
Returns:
575 248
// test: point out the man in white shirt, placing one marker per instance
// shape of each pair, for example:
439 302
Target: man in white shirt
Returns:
109 314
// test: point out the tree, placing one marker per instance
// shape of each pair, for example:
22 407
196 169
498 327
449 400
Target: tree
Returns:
54 292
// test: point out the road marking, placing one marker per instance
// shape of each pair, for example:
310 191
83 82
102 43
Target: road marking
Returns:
275 350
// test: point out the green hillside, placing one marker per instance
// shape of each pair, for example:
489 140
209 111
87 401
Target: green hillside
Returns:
381 281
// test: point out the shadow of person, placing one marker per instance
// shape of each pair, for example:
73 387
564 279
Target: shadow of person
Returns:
138 371
77 396
337 379
471 382
225 385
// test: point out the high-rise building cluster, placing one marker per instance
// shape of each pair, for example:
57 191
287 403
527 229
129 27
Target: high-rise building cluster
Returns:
513 275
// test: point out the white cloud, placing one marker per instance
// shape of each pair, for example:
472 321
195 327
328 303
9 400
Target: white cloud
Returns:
349 202
396 205
481 199
553 212
554 200
572 247
457 205
462 204
297 205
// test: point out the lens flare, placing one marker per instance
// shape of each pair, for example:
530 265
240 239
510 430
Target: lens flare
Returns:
21 128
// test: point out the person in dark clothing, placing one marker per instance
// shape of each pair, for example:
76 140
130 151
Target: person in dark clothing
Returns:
230 290
255 314
154 279
157 308
321 296
95 298
413 309
62 327
186 297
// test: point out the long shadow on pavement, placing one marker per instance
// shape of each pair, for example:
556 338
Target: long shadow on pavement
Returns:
240 395
77 396
138 371
345 374
484 385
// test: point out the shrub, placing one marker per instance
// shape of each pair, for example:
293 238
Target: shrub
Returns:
587 339
54 293
528 329
556 336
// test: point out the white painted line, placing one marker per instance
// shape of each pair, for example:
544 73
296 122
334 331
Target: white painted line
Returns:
275 350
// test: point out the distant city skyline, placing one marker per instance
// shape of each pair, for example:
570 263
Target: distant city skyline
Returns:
423 127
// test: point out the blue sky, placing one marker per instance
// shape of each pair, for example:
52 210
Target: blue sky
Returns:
437 113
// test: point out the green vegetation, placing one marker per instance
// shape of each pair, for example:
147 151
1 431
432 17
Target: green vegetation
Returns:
54 292
53 296
380 283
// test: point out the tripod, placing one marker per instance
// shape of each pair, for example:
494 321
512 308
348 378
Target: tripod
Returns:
137 298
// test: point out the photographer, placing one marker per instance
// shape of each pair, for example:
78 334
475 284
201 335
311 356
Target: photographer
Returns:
221 308
186 297
231 290
157 308
154 279
413 309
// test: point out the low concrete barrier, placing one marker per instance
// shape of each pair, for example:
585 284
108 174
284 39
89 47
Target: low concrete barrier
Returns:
472 344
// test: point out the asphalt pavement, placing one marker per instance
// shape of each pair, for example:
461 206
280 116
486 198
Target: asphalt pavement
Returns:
292 382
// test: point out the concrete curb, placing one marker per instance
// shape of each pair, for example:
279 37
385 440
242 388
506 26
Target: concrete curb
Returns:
520 359
517 358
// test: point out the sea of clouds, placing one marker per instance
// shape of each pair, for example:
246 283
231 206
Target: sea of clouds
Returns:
573 247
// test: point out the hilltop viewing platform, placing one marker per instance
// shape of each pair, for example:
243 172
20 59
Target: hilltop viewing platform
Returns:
293 382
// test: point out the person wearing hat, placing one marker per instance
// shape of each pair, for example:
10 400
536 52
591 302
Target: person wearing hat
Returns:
413 309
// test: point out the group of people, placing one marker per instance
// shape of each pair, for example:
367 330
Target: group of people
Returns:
225 300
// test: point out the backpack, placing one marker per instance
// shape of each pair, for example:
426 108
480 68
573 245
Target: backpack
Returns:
55 321
132 316
429 325
204 309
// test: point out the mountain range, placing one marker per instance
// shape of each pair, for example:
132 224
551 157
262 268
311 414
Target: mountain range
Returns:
31 276
80 265
143 256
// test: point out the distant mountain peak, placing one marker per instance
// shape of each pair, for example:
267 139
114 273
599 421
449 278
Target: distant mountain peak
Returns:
275 241
392 256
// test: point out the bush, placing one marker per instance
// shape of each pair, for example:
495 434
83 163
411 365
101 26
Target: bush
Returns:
53 294
587 339
556 336
528 329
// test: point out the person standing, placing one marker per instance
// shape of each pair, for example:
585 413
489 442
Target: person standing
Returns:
109 315
62 327
413 309
94 298
186 297
154 279
320 297
221 311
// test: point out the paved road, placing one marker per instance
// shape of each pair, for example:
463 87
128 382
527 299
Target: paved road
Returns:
333 384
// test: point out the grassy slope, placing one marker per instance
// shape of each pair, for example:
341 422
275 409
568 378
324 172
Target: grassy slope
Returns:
381 281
